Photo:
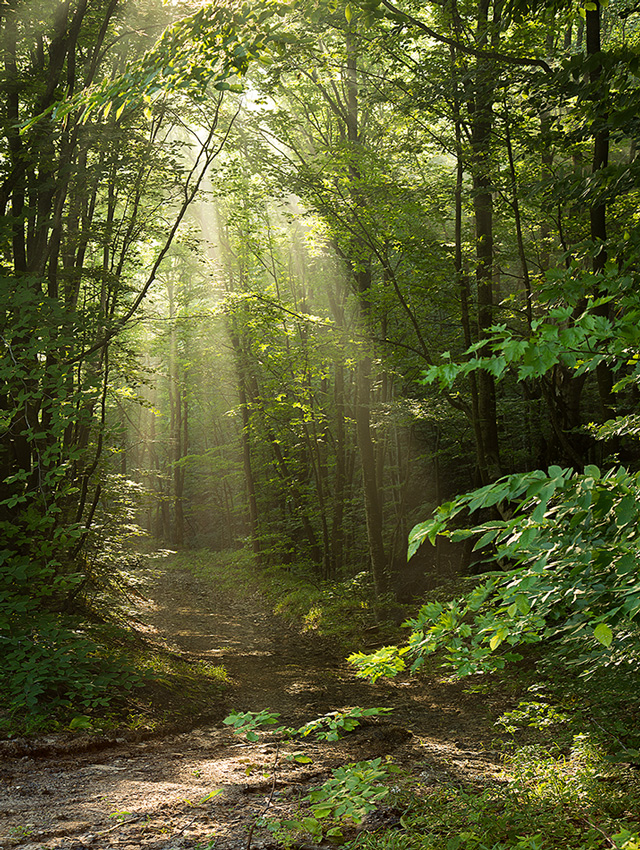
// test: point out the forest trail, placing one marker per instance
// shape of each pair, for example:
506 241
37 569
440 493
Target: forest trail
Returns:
153 794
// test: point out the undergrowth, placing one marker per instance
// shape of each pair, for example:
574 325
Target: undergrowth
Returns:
102 678
96 673
571 776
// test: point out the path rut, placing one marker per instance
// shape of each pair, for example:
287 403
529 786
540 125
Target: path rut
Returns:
204 788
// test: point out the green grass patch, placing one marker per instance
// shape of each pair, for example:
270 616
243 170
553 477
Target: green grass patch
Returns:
548 801
231 572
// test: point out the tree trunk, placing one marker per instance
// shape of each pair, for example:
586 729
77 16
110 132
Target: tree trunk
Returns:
598 209
369 478
481 132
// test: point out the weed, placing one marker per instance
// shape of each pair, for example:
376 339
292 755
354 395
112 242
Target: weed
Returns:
351 793
20 832
537 715
120 815
329 727
574 800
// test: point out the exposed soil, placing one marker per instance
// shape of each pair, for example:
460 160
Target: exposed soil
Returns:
152 793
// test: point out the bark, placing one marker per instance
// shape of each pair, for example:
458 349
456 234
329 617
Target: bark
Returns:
369 478
462 278
245 440
481 133
177 423
339 481
362 279
598 209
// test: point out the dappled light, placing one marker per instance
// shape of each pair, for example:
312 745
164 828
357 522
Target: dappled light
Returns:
319 461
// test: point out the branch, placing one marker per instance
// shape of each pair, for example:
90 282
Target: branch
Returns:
189 195
464 48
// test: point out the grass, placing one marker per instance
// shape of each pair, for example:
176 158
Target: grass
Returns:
564 785
548 801
231 573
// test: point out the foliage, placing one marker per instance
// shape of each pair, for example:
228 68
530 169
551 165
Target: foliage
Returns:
337 610
562 791
556 793
200 51
57 670
246 722
49 659
570 553
386 661
533 714
353 791
329 727
575 334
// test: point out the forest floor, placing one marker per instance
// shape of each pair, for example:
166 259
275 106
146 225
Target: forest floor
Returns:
205 787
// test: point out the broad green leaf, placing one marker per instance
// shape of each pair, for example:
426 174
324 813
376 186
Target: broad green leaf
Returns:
603 633
498 638
322 811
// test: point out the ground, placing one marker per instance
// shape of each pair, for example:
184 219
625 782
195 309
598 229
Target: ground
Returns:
205 787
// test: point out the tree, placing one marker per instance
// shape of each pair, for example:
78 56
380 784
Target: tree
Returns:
91 167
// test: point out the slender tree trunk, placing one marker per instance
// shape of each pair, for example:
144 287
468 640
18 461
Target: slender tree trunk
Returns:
245 439
369 477
339 482
462 277
362 278
598 209
481 132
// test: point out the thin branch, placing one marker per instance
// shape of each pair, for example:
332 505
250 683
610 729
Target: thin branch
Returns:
190 194
464 48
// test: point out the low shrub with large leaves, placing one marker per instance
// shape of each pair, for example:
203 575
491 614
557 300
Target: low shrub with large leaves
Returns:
568 545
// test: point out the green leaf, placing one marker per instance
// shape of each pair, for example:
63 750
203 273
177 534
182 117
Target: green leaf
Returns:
348 13
210 796
498 638
312 826
80 722
322 811
603 633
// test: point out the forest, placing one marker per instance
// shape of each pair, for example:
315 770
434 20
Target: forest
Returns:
352 288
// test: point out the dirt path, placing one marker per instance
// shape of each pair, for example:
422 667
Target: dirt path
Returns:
152 794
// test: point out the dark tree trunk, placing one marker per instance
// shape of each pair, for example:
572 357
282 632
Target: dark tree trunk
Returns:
481 132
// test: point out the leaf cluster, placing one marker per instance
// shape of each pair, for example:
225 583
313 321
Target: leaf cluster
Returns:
329 727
